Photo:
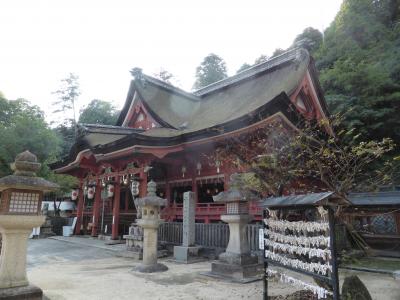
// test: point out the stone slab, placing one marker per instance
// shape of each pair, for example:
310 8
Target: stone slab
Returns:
237 272
237 259
29 292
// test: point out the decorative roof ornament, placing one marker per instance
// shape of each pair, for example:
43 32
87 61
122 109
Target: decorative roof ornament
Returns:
138 76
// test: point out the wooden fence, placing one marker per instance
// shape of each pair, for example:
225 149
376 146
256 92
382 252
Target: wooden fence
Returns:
207 235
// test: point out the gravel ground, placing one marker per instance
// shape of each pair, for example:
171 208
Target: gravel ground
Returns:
70 271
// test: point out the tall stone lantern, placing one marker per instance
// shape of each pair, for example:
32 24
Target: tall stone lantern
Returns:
236 263
20 212
150 207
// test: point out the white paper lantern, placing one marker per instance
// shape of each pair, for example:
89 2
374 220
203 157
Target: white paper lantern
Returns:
90 193
74 195
110 190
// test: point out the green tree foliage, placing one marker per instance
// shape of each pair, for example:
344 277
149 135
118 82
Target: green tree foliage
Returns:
359 64
262 58
23 127
277 51
212 69
243 67
99 112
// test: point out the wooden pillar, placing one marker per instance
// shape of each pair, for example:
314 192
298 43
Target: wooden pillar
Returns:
143 183
116 210
96 208
80 208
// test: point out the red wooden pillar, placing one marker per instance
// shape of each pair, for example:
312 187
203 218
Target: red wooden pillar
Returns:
195 191
96 208
79 211
116 210
143 183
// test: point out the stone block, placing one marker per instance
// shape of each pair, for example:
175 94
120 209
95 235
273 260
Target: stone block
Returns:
188 223
237 259
186 254
29 292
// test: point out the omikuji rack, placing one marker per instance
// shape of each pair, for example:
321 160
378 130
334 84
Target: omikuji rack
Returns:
330 202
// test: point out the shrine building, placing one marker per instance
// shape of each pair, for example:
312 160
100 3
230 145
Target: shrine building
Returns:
168 135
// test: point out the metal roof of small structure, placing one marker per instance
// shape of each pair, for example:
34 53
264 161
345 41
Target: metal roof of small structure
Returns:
312 199
391 198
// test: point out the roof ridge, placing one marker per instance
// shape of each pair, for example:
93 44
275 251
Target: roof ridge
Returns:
261 67
140 77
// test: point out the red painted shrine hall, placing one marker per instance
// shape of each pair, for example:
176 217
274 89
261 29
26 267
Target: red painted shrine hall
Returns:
167 135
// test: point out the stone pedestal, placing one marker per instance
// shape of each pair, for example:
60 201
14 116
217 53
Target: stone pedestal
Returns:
150 247
30 292
236 263
15 231
188 252
150 206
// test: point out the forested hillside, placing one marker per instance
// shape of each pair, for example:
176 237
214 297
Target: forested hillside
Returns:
359 64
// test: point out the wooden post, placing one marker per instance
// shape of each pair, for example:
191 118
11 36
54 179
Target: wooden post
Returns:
116 210
332 239
265 278
96 208
80 208
143 182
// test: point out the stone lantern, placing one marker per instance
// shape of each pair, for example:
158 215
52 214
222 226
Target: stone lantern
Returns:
236 262
20 212
150 207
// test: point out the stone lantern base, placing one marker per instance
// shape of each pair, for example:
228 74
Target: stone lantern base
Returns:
236 264
30 292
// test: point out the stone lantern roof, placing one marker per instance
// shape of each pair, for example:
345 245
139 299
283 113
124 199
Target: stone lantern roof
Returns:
236 192
151 198
25 167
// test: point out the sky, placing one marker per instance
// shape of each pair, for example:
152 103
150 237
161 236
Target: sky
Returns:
42 41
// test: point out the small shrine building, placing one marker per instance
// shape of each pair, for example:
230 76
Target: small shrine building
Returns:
166 134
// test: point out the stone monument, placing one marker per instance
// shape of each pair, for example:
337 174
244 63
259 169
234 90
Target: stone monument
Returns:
236 263
46 229
188 252
134 241
150 210
21 199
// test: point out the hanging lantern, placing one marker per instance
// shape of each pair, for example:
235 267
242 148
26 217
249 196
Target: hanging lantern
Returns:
103 183
183 171
198 167
110 190
135 188
74 195
218 164
85 189
125 180
90 192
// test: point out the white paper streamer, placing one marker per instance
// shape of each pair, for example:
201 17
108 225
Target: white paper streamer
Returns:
312 241
317 290
300 227
298 264
310 252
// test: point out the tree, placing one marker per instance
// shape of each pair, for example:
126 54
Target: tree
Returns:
277 51
310 39
212 69
67 95
23 127
243 67
165 76
99 112
359 67
279 160
262 58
